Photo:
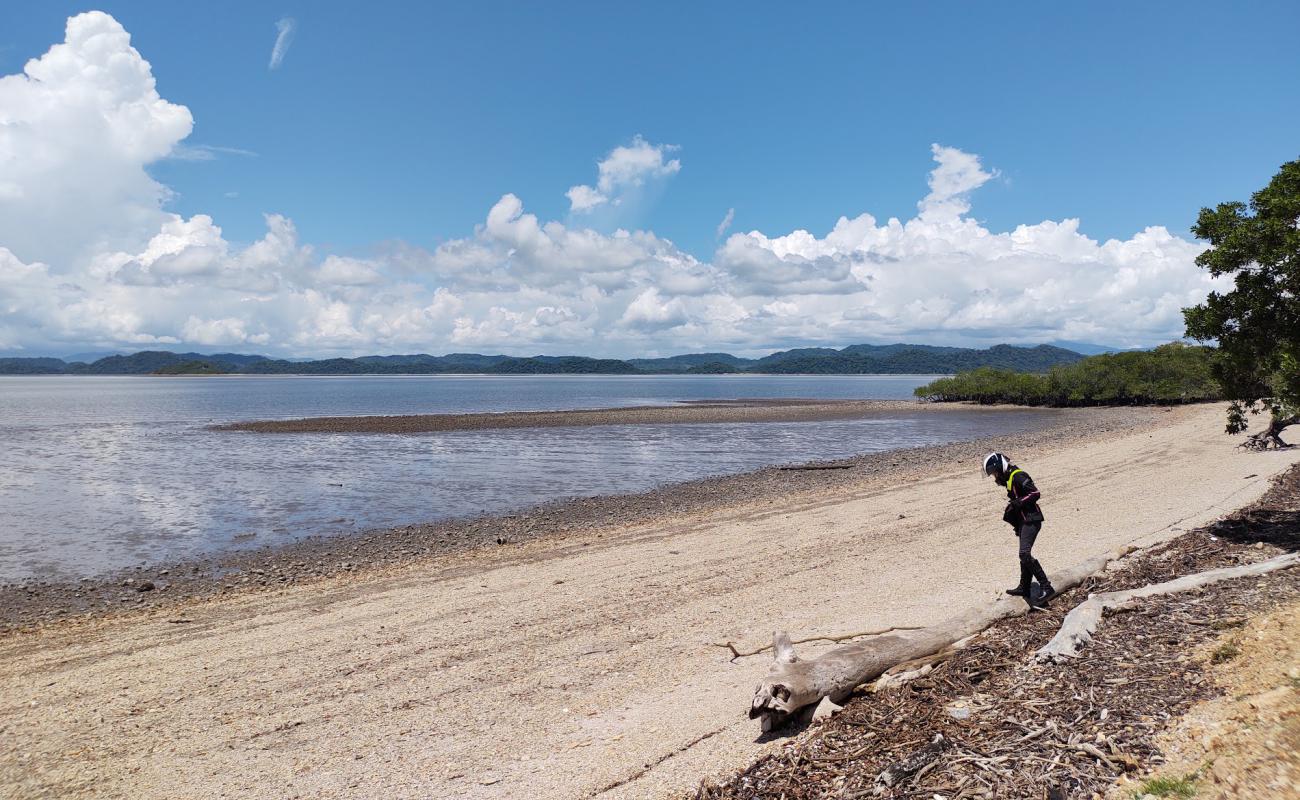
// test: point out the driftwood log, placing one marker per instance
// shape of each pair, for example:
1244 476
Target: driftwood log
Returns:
793 687
1077 629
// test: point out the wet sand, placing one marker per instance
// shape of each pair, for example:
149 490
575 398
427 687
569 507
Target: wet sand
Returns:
696 412
579 663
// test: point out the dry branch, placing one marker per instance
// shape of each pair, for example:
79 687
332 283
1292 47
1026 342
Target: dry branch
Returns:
793 685
1077 629
843 637
915 762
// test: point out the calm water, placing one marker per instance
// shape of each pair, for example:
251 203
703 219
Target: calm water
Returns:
100 473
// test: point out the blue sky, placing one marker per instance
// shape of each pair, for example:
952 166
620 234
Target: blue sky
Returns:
405 123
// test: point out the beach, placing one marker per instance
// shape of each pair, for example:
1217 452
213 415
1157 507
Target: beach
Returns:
572 651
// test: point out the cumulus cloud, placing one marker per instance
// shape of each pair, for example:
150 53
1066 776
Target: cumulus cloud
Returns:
91 257
339 271
652 312
944 277
584 198
79 125
226 331
285 29
625 169
957 175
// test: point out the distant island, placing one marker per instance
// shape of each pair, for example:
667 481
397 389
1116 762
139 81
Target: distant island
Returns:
858 359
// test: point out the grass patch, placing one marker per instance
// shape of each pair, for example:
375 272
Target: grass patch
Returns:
1168 787
1224 653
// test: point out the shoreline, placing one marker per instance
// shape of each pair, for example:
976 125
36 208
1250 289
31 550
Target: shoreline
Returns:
29 603
688 412
584 661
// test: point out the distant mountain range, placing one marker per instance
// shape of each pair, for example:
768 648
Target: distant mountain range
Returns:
858 359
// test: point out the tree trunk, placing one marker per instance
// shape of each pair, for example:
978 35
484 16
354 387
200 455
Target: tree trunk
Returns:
1077 629
1272 435
793 685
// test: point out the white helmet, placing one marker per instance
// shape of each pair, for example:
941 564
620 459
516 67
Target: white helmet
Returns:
996 464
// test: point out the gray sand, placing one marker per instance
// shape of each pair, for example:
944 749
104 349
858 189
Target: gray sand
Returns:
696 412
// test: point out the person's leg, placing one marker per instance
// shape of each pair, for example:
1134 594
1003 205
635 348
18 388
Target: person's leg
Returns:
1026 533
1029 533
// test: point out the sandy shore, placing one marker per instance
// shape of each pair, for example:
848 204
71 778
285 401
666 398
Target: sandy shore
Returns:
696 412
579 663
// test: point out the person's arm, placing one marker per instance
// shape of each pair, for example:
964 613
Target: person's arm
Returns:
1024 491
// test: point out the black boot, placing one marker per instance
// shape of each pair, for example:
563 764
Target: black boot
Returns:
1026 575
1047 591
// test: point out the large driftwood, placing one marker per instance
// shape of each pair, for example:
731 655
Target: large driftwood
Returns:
1077 629
793 687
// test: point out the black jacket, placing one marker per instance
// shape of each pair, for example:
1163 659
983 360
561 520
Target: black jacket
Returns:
1022 499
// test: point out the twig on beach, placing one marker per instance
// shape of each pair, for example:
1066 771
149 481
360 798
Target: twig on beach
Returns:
735 654
807 467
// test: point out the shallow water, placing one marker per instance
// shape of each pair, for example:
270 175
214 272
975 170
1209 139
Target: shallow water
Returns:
106 472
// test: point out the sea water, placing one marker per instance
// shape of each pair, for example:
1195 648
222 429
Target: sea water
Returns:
100 473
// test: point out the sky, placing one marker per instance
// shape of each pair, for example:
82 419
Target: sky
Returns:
318 179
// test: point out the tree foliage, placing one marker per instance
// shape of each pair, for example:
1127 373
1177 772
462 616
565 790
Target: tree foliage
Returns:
1257 323
1171 373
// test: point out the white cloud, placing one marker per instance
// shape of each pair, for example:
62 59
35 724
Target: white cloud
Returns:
229 331
285 28
726 223
78 127
584 198
339 271
625 169
957 175
206 152
91 258
650 311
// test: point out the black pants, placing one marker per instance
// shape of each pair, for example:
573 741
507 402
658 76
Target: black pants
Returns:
1027 533
1029 566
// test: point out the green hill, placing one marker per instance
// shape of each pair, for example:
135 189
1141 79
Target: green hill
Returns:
859 359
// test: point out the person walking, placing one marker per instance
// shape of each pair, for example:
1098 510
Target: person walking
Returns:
1023 514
